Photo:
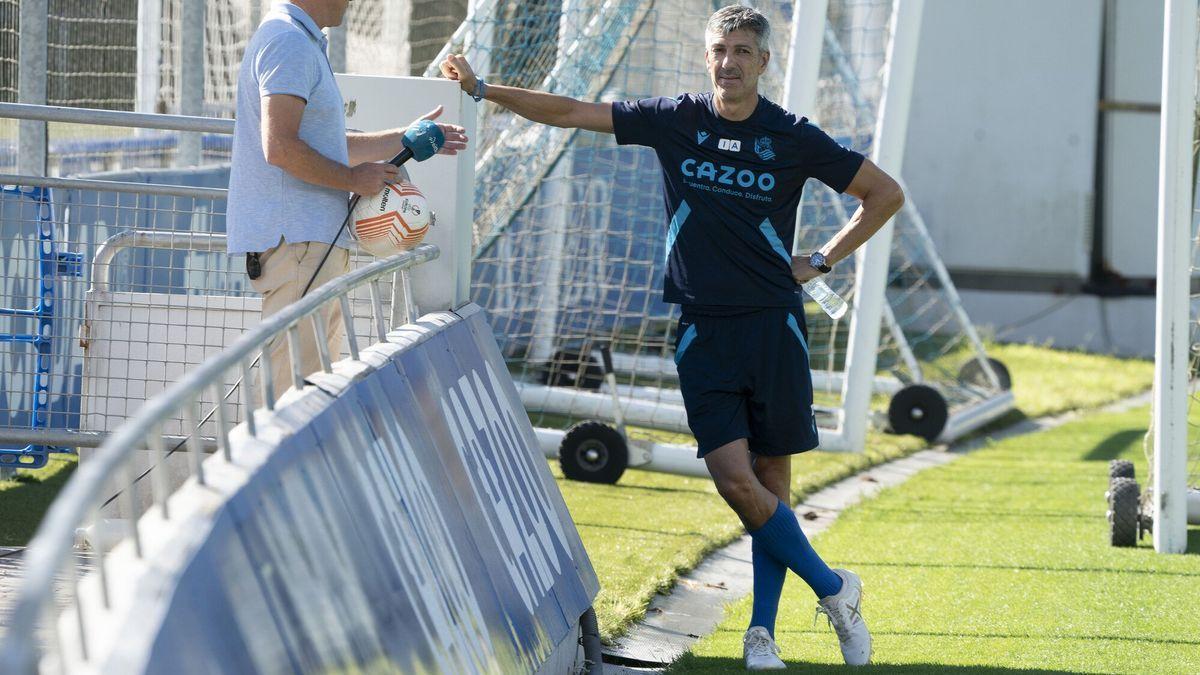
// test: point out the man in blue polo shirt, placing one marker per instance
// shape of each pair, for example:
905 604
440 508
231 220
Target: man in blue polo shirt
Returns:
734 166
293 166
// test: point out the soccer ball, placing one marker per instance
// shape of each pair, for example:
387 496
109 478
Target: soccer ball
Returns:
392 221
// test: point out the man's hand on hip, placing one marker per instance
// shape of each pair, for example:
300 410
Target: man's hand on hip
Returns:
802 271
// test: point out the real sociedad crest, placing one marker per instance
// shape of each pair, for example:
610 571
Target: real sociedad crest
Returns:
762 148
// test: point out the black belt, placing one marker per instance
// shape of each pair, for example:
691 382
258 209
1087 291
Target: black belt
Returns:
253 265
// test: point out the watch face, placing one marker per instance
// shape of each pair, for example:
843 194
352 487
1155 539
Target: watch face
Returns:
817 260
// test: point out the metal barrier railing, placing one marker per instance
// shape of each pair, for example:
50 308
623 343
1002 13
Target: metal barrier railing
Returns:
70 151
50 551
51 231
115 118
111 289
48 229
139 307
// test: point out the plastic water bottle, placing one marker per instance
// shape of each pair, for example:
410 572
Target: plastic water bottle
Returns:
831 302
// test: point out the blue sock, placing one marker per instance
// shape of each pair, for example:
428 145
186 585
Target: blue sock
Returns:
783 539
769 575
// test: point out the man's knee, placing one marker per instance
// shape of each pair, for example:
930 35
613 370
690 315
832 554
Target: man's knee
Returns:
775 474
737 489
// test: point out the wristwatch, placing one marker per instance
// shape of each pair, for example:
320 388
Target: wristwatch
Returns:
818 262
480 90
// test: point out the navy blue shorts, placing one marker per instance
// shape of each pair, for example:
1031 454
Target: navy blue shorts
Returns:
747 376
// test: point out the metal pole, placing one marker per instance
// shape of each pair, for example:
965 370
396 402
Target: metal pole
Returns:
804 56
149 40
256 14
1171 303
873 259
337 47
31 86
464 207
191 76
804 69
557 193
114 118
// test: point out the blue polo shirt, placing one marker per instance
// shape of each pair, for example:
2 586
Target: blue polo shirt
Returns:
286 55
732 190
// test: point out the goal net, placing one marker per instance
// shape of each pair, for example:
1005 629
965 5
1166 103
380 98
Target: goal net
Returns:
93 61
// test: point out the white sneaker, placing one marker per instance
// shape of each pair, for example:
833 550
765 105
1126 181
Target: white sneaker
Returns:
760 651
842 610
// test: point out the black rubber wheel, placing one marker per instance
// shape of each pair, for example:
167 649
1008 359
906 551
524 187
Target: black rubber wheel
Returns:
972 374
593 452
1123 517
919 410
573 368
1120 468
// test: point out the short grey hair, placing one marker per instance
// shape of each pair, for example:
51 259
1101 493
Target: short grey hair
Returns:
735 17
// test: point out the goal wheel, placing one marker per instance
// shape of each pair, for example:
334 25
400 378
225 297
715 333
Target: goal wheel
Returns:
1123 517
593 452
972 374
1120 468
573 368
919 410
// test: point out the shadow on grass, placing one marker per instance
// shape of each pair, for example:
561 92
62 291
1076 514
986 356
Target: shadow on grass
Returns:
1002 423
25 499
1140 639
698 664
958 514
661 488
1193 541
629 528
1114 445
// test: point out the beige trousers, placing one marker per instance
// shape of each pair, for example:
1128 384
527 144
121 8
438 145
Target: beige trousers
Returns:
286 269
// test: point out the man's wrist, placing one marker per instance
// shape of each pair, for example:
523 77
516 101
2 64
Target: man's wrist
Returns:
479 91
346 176
817 261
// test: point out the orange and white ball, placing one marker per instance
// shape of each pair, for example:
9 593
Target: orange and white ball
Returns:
392 221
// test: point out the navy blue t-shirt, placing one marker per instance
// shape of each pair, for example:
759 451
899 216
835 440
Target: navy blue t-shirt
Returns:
732 189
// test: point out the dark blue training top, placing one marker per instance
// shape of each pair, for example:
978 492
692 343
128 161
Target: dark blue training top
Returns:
732 189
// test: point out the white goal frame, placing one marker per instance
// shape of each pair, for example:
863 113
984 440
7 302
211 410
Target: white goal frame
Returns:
1171 500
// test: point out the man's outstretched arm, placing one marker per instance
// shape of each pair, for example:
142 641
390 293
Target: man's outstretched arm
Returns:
559 111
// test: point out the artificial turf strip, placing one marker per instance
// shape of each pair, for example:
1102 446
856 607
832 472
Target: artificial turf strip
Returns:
998 562
1049 381
25 498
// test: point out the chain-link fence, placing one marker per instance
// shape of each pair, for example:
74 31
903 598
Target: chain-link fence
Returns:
110 291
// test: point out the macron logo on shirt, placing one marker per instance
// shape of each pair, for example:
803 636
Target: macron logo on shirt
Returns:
701 136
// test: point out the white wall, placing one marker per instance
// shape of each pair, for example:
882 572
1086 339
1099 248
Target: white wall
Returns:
1001 142
375 103
1131 137
1002 160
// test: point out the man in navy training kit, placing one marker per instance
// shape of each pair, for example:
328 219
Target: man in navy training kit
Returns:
734 166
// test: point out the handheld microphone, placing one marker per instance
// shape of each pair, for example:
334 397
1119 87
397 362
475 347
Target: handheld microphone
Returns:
421 141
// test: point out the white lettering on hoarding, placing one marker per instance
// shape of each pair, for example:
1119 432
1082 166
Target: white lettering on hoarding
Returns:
443 599
522 519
